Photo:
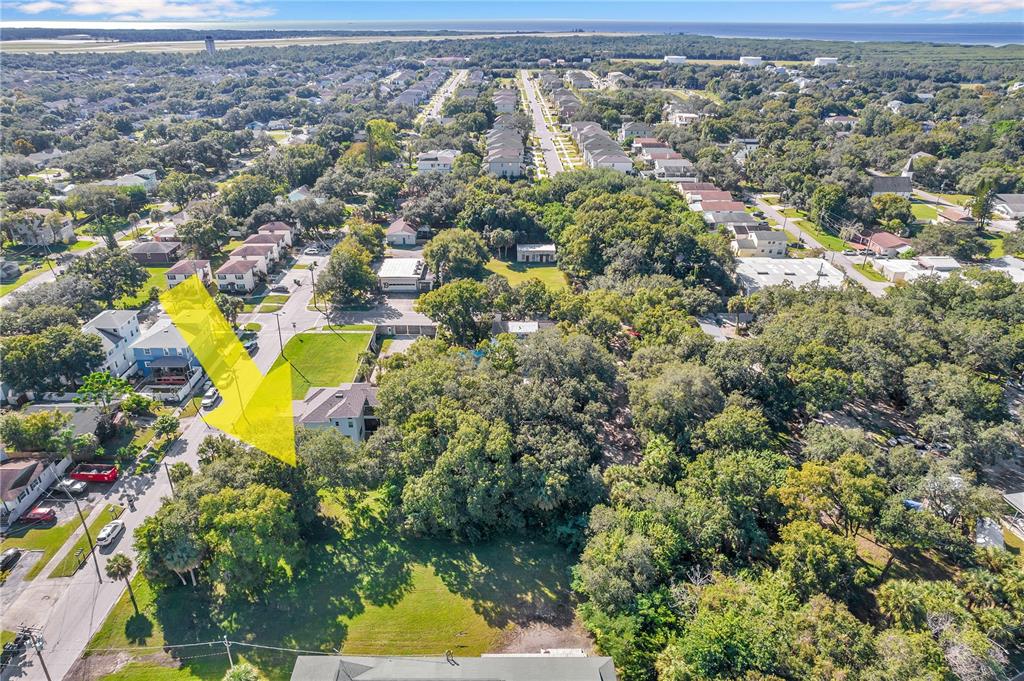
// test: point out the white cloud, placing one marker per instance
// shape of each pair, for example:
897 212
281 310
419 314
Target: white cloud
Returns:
140 10
40 6
952 8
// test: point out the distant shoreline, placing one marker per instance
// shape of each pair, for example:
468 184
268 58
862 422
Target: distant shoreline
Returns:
990 34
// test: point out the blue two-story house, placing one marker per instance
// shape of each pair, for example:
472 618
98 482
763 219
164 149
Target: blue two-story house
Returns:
169 369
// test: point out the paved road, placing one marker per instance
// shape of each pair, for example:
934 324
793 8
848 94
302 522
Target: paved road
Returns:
540 126
434 106
71 610
843 262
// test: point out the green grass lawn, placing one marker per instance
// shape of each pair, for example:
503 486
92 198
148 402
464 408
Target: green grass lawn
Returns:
371 593
253 326
958 199
349 327
157 278
47 539
869 272
69 565
924 212
832 243
995 243
323 359
267 308
6 637
517 272
428 618
21 281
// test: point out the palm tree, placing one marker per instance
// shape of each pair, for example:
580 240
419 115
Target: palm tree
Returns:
900 601
120 567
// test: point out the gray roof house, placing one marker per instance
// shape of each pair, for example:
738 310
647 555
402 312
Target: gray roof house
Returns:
900 186
423 668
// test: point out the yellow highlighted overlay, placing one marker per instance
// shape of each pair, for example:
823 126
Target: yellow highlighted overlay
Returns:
256 409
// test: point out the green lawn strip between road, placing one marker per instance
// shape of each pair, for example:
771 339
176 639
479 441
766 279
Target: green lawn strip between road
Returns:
70 564
869 272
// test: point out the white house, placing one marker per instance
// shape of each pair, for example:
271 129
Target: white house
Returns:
439 161
117 331
43 229
826 61
183 269
400 233
536 253
276 239
634 129
403 275
674 59
751 61
1009 206
22 482
237 276
760 243
347 408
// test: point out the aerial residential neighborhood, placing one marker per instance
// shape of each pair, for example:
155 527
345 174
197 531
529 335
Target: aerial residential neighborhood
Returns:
639 355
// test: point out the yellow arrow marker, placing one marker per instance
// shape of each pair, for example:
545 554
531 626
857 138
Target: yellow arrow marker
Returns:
256 409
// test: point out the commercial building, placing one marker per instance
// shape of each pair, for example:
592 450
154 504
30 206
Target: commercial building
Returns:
403 275
754 274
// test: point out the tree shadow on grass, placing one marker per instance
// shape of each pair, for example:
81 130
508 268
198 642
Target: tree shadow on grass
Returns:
138 629
517 581
338 579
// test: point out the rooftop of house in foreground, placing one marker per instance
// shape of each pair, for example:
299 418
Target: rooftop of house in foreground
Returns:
539 667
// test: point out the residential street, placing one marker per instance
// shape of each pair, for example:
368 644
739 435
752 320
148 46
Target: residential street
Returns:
843 262
71 610
436 103
540 127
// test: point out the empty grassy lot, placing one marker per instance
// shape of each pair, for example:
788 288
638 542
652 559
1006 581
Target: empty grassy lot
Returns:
868 271
518 272
370 593
924 212
323 359
157 278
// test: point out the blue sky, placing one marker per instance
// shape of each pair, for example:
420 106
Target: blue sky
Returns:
281 12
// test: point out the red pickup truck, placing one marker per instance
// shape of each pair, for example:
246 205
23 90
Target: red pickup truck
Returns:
95 472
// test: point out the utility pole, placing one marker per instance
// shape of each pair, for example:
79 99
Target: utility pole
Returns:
280 339
92 547
37 645
227 647
170 480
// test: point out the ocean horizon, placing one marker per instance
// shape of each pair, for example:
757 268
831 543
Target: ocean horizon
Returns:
967 33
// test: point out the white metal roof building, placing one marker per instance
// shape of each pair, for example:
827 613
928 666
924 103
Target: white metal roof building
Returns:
754 274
